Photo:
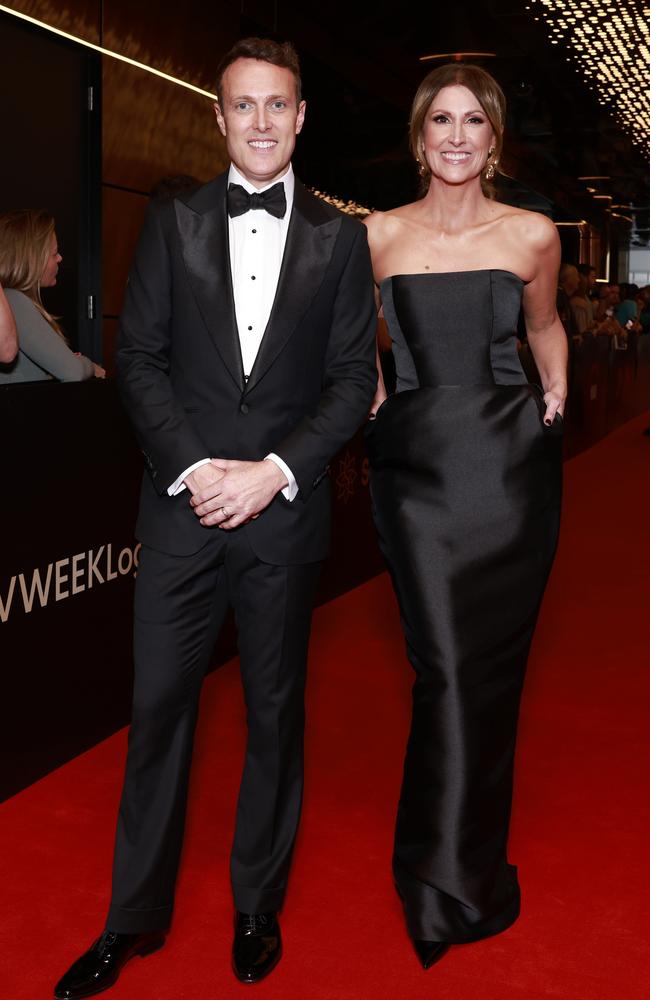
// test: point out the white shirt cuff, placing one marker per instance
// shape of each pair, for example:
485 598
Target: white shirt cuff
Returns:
178 485
290 491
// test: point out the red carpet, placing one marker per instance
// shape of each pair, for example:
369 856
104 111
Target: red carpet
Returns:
581 818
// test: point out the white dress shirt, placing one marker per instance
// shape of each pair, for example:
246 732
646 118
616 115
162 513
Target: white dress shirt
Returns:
256 240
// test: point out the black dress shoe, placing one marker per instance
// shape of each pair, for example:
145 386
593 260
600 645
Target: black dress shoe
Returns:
99 968
257 947
429 952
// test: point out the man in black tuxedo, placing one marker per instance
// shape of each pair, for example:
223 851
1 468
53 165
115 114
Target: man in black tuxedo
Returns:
245 361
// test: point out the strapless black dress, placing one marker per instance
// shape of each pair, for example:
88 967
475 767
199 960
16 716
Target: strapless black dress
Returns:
466 486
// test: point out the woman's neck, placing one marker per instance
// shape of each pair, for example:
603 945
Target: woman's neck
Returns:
454 208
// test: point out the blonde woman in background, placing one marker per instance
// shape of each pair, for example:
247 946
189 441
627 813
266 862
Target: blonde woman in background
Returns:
29 261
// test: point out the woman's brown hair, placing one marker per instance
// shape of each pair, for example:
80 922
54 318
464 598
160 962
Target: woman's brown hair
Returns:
486 91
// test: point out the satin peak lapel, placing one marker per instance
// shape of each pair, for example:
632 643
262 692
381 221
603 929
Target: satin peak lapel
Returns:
310 244
204 243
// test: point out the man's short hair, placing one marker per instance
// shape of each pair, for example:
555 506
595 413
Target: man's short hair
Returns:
565 268
585 269
280 54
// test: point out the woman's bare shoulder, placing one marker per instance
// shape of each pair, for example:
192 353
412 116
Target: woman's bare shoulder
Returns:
533 229
383 226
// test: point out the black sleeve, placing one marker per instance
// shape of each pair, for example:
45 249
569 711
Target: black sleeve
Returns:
168 442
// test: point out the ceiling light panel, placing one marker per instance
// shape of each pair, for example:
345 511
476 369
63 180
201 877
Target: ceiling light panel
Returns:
610 45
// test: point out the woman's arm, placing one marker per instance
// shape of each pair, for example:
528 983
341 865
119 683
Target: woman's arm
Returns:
8 335
546 335
43 345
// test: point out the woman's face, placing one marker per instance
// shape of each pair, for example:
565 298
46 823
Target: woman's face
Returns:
456 136
54 258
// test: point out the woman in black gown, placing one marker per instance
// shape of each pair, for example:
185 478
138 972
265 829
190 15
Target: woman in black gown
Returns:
466 480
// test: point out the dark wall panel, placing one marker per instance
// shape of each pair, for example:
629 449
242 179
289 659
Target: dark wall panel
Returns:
79 17
185 40
152 128
123 213
65 604
46 126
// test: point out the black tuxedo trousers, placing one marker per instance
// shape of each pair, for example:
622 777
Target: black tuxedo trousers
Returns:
180 603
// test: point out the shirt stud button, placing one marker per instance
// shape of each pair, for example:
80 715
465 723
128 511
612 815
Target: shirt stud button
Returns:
252 277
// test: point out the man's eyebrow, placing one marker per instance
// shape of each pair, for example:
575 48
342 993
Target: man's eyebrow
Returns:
266 97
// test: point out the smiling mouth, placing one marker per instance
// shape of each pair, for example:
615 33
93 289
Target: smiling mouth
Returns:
455 157
262 143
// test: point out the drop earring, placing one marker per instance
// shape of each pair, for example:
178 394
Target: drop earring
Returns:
490 168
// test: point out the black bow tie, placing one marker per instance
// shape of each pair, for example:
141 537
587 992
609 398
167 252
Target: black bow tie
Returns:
272 200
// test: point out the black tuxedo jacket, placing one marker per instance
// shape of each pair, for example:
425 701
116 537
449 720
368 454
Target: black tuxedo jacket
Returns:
180 372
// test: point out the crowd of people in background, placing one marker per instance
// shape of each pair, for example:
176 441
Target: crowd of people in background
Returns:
588 307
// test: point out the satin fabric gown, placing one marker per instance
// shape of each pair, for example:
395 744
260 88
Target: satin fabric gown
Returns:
466 485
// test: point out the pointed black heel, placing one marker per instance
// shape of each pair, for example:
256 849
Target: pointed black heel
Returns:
430 952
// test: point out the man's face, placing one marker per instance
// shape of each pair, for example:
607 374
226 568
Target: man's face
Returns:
51 266
259 118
